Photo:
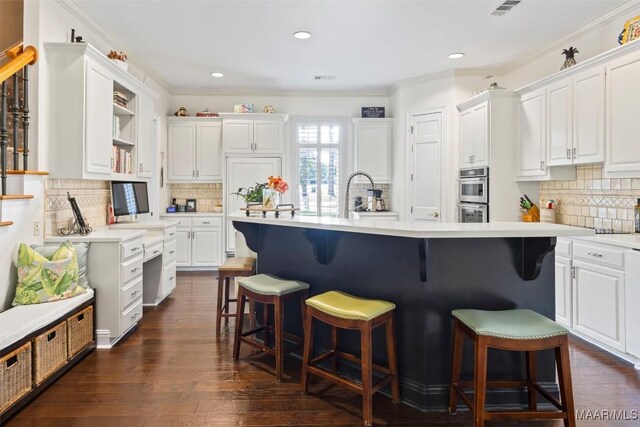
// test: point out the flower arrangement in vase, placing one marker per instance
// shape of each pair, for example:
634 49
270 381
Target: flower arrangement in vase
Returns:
251 195
275 187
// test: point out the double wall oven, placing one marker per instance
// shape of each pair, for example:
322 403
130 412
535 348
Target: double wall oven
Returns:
473 191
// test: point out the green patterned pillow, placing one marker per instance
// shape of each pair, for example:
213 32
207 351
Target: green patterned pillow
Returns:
42 280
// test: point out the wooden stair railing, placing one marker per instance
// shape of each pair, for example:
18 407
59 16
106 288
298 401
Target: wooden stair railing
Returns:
17 69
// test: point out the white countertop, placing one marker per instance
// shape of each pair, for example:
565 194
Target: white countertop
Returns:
420 229
630 241
374 213
150 239
145 225
189 214
100 235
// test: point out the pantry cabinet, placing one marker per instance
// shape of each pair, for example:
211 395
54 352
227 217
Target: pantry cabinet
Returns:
372 147
253 133
194 150
474 136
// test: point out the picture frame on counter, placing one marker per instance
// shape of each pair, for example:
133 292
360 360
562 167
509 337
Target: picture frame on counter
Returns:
191 205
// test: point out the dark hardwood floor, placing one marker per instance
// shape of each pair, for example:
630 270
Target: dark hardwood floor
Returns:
172 372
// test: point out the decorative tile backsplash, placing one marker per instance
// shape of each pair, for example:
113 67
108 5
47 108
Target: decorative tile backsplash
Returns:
92 197
593 201
207 195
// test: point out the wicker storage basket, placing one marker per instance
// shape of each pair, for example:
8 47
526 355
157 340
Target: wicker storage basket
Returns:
49 352
15 376
80 327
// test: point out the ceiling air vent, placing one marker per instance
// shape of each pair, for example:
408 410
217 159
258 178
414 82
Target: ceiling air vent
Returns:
505 7
324 77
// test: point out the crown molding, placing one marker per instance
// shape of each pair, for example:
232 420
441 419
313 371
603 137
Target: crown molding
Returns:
283 93
79 13
439 75
561 43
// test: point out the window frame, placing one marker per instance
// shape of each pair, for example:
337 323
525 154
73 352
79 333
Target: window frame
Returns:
295 153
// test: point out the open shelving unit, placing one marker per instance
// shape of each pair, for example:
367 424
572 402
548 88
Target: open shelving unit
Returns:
124 131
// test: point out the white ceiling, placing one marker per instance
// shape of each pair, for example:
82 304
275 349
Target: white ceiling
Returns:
368 45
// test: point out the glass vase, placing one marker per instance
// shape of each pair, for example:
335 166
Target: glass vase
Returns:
270 198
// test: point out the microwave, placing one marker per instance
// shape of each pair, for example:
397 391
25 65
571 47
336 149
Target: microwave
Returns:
473 185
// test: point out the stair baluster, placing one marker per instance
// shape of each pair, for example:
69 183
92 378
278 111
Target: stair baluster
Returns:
25 118
3 136
15 116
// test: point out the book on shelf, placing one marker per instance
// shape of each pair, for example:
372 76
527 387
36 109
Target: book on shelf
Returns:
116 127
120 160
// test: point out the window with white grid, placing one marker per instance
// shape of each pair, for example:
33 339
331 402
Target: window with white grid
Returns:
318 145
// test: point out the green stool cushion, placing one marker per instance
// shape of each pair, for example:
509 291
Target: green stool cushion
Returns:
345 306
519 324
266 284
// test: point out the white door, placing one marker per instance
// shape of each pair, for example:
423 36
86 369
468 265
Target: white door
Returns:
245 172
480 134
622 124
99 118
268 137
466 138
144 146
559 123
531 147
182 152
598 304
588 116
426 141
237 136
205 248
209 151
183 248
563 291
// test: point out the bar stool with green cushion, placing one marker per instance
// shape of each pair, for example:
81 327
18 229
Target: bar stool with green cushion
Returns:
514 330
232 267
271 290
341 310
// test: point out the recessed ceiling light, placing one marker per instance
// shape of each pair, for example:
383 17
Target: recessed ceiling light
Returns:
456 55
217 74
302 35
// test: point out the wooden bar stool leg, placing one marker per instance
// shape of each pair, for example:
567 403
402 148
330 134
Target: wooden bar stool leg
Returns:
531 379
456 366
480 383
564 378
221 279
239 322
265 323
367 371
334 347
227 281
252 314
278 313
392 358
308 349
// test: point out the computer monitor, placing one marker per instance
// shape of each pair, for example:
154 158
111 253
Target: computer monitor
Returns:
129 198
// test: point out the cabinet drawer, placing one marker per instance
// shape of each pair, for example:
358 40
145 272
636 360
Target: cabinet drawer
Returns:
169 254
206 221
600 254
169 278
182 220
131 249
153 251
130 293
131 269
131 316
563 247
170 233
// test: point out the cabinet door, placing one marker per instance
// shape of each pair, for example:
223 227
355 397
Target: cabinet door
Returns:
245 172
563 291
183 248
480 134
588 116
466 138
237 136
598 304
182 152
559 124
632 296
531 149
205 248
168 280
209 151
622 124
99 118
373 149
268 137
144 144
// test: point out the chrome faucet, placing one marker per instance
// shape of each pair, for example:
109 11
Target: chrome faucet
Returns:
346 194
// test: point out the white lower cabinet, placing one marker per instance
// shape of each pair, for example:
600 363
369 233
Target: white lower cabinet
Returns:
563 291
198 241
632 300
183 247
205 247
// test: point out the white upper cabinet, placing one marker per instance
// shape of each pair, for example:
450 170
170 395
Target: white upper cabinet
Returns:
372 148
253 133
531 147
474 136
560 123
622 120
195 150
588 117
91 134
